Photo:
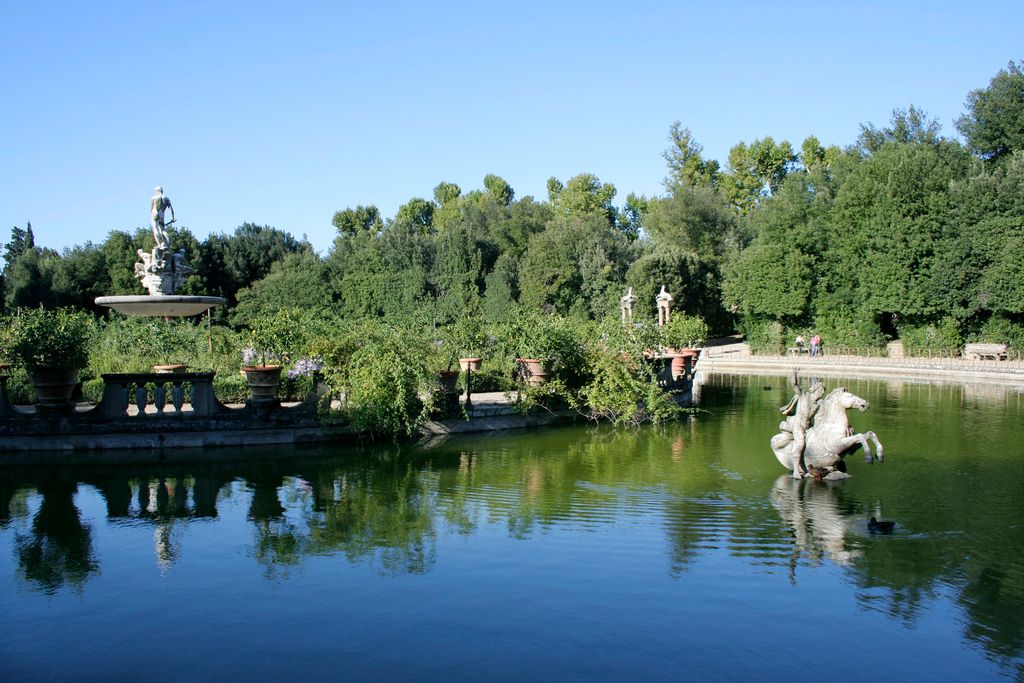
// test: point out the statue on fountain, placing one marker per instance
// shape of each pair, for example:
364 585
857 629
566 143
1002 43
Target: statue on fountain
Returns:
162 270
816 435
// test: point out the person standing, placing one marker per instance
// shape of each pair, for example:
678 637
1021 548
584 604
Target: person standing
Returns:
815 345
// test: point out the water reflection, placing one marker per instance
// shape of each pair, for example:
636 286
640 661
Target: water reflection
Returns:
708 487
814 512
57 550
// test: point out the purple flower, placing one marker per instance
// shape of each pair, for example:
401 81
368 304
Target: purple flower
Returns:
305 367
248 356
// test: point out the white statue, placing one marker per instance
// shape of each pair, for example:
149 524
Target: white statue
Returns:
664 301
829 438
626 304
157 205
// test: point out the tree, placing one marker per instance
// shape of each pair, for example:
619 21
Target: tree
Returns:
582 195
686 166
694 283
887 228
756 171
994 123
362 218
27 282
417 212
79 276
498 188
228 263
908 126
20 241
631 216
298 281
576 266
694 219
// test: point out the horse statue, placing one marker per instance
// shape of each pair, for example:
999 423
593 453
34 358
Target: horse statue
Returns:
827 441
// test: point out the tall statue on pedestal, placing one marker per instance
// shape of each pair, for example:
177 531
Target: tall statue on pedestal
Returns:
162 271
157 205
664 301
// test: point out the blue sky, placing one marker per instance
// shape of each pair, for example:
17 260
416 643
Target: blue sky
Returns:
282 113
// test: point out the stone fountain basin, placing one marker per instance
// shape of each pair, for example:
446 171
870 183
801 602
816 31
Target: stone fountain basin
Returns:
166 305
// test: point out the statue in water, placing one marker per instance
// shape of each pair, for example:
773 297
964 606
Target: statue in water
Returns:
816 435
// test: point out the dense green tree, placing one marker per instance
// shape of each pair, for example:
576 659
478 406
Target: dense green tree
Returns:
28 281
985 266
686 166
361 218
693 282
499 188
575 267
581 196
228 263
458 274
994 122
756 171
358 274
694 219
20 241
888 225
908 126
79 276
417 213
299 280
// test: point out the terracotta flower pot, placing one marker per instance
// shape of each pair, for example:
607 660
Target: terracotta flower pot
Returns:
449 381
472 364
54 386
263 381
177 367
533 371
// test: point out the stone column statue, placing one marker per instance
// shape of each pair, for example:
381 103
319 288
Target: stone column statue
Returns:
664 301
626 304
157 205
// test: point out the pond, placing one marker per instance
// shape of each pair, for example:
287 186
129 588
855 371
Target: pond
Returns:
576 553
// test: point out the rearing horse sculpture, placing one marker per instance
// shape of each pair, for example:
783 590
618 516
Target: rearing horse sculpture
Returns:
830 438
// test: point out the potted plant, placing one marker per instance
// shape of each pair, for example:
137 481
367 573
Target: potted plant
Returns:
271 338
52 346
683 336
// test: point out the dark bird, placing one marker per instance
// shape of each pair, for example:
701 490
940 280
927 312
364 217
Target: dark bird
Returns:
876 527
818 473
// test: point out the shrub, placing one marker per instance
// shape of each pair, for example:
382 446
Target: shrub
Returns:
857 334
1001 330
58 339
685 332
941 338
764 336
231 387
384 384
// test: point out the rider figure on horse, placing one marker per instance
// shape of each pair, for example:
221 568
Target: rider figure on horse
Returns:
801 410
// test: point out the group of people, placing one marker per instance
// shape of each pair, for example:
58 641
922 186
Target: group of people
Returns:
815 344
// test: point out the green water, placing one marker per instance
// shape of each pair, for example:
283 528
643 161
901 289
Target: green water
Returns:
584 552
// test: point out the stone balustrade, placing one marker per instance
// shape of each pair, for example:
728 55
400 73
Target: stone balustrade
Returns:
128 394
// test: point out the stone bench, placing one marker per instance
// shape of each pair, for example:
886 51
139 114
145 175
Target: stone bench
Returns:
982 351
797 350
